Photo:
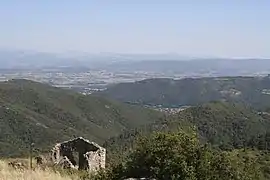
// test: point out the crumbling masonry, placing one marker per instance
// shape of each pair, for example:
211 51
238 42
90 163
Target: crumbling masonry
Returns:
91 156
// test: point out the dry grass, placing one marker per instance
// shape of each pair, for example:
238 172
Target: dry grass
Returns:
9 173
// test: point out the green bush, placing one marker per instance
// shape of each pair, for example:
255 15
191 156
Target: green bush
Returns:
180 156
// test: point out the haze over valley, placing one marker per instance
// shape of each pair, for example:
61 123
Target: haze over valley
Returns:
87 73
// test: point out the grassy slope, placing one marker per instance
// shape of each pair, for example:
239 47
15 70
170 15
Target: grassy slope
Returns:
8 173
52 114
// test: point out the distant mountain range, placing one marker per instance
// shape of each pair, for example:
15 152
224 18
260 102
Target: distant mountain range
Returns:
159 63
193 67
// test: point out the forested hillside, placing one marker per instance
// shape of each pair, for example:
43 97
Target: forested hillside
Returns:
224 125
30 110
254 91
231 139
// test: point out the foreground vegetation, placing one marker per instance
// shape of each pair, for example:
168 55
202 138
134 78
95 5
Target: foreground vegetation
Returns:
9 173
176 156
170 156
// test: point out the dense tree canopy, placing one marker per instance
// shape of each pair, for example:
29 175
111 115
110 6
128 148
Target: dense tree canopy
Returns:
253 91
175 156
50 115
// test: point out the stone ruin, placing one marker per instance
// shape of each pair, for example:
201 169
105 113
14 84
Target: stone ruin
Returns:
79 153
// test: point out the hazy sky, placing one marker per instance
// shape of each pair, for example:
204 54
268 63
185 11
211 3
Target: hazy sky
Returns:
231 28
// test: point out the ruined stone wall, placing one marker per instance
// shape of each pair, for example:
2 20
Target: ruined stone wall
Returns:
91 155
96 159
56 153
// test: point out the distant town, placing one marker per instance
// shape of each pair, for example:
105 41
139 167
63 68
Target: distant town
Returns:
89 81
85 82
90 73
